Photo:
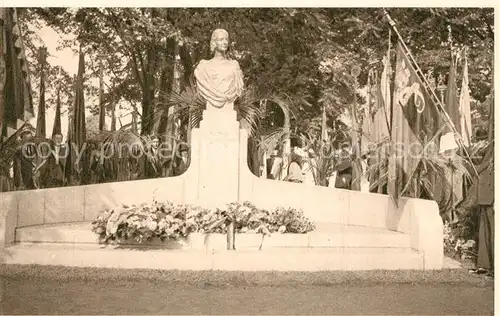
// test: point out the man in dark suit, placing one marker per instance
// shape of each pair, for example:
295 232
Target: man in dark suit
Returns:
344 169
480 198
24 162
153 159
52 169
485 202
182 162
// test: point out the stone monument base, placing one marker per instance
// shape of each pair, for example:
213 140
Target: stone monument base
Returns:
215 156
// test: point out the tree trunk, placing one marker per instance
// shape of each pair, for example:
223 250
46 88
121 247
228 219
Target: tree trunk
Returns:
188 65
148 94
102 110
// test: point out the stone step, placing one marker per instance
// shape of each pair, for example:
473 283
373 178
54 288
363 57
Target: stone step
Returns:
328 236
278 259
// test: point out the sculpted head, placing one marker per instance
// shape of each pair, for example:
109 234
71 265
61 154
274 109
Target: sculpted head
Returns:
219 40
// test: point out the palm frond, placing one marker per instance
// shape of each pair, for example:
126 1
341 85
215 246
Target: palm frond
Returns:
189 105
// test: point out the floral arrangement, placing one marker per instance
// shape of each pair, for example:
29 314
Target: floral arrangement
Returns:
162 220
168 221
290 220
457 246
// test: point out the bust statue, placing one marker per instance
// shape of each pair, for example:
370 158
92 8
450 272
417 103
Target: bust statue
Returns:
219 80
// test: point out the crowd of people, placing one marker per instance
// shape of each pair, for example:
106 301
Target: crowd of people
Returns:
347 172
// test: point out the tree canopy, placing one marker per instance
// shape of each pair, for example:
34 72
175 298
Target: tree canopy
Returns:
303 54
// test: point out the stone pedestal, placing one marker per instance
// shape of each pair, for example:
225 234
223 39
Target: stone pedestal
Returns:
212 178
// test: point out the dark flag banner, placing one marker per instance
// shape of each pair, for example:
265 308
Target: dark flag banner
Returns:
57 120
448 141
69 170
40 120
415 122
16 104
452 98
79 132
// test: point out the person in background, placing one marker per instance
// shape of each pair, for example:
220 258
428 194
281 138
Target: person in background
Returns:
153 161
480 198
272 165
359 174
24 162
344 169
52 169
485 202
308 167
181 163
295 167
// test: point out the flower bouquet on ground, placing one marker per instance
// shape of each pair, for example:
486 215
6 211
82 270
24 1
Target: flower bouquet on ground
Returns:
166 221
144 222
289 220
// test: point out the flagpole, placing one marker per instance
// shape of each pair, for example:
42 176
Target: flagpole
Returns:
427 86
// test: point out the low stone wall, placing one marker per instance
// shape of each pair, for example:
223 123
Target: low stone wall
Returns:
79 203
418 218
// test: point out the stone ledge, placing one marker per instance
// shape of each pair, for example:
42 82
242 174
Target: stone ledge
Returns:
279 259
329 236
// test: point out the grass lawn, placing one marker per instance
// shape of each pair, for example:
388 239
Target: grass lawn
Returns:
63 290
238 278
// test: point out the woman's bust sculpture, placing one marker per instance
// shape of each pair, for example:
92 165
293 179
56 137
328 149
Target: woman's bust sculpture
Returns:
219 80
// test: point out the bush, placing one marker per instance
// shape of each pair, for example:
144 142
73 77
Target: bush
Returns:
168 221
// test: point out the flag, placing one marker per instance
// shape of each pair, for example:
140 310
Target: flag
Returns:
57 119
381 122
448 141
375 122
78 135
367 135
69 169
381 126
380 130
16 103
464 109
385 87
40 120
415 122
79 132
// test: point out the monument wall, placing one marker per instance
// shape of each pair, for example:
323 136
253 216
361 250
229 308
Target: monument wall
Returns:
84 203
